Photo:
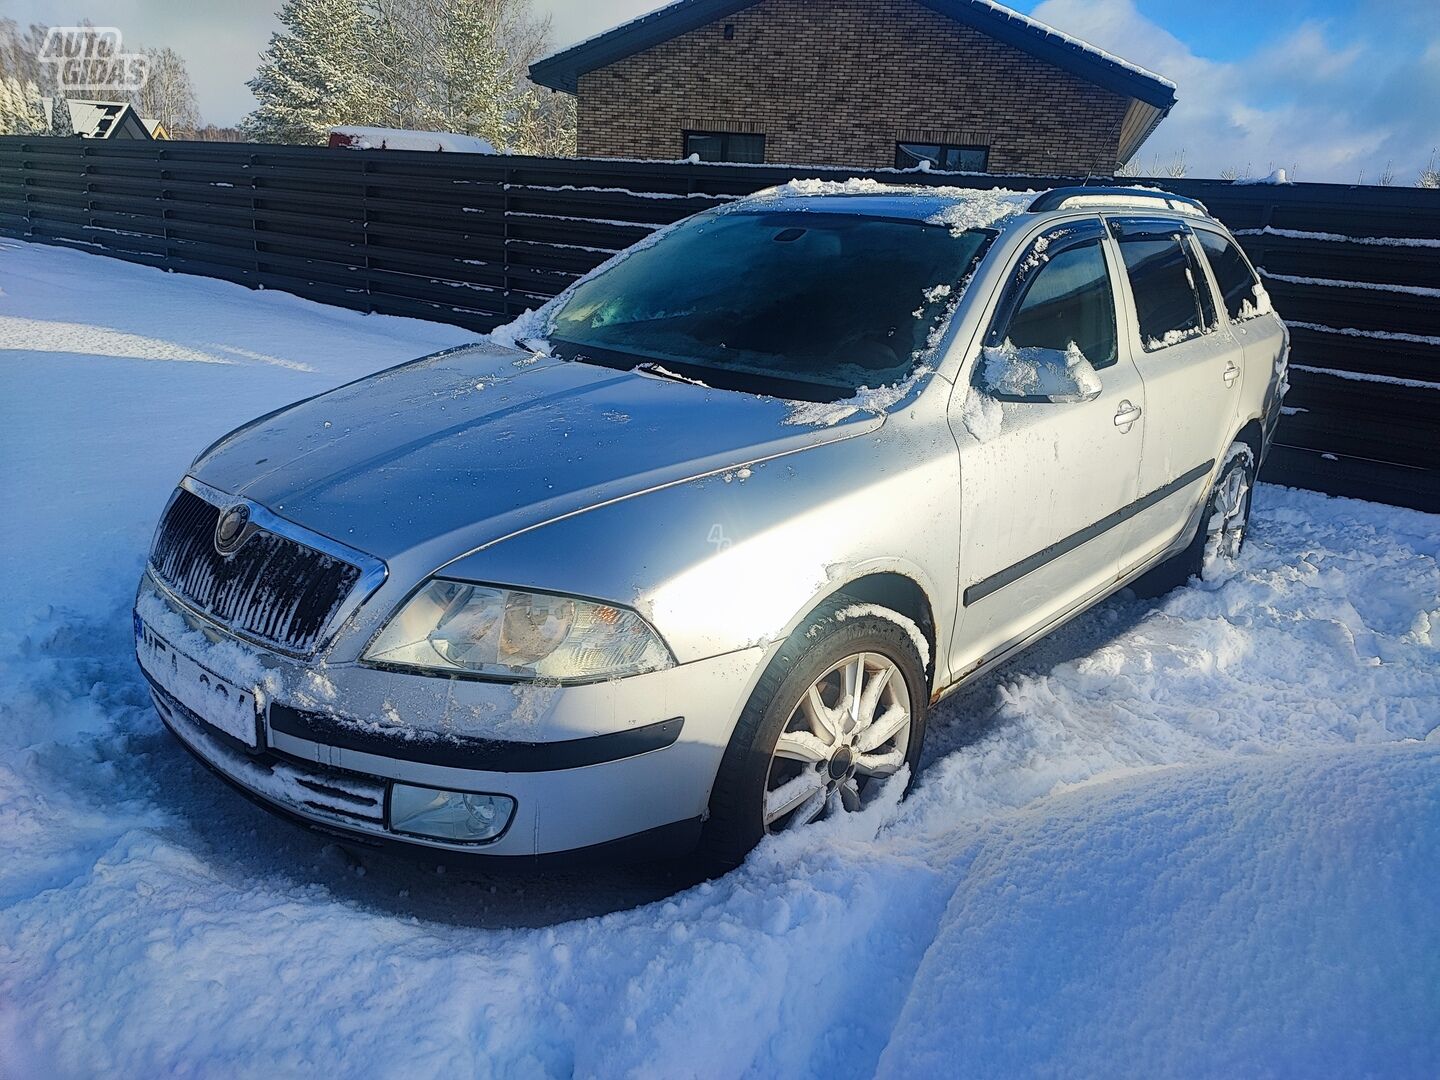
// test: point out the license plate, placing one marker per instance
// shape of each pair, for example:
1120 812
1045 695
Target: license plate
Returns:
221 704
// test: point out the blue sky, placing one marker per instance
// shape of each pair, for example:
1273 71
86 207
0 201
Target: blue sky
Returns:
1328 88
1210 27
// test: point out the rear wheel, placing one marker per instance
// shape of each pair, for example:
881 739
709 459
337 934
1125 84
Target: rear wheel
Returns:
1228 515
1221 534
840 709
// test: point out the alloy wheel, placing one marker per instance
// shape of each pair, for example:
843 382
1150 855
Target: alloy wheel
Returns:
1228 516
850 727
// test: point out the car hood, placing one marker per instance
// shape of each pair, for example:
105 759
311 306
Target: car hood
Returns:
455 450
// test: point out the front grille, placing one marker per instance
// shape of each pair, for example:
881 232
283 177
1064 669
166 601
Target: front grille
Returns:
273 589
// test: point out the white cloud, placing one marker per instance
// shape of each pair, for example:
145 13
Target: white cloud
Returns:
1300 103
1306 56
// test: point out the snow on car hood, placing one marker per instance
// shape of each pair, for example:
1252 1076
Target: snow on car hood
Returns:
475 443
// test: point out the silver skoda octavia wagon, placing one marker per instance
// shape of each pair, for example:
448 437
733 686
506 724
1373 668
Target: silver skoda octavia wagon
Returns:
684 557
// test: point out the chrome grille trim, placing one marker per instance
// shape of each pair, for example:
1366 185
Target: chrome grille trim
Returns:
294 617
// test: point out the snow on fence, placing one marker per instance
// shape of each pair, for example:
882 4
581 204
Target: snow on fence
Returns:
475 241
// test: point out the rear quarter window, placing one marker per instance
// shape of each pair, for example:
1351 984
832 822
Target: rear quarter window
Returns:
1239 287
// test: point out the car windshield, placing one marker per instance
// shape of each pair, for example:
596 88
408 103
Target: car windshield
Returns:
811 305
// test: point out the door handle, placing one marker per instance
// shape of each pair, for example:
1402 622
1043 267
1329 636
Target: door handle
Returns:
1126 416
1231 373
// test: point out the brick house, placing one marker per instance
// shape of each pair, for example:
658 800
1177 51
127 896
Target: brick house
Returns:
964 84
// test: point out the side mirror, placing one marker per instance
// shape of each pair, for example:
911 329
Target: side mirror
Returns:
1037 374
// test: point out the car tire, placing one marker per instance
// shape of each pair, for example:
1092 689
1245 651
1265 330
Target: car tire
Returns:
1221 531
820 654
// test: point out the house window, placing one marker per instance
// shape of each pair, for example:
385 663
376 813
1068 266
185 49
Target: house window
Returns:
909 155
725 146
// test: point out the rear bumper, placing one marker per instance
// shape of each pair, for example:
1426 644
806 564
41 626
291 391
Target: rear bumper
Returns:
1274 400
1269 424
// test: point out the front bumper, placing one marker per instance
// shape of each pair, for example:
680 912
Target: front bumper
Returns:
628 763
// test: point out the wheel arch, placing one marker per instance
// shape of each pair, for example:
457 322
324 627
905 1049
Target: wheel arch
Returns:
896 591
1253 436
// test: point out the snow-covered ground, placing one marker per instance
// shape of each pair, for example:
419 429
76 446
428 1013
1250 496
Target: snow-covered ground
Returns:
1195 837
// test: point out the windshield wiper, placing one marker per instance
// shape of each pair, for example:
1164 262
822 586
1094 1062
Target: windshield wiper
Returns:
715 378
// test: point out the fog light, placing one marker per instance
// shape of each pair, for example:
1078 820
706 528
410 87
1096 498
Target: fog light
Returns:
448 815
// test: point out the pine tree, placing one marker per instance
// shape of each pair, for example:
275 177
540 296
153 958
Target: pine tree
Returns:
60 123
9 105
315 75
394 66
425 65
473 93
35 111
21 110
26 109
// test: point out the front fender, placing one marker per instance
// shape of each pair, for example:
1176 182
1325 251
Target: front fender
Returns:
732 561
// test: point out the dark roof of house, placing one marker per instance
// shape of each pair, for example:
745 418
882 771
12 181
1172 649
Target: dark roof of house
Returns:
92 119
562 70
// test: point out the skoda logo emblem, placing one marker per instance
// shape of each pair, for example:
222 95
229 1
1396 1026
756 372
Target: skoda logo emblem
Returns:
230 529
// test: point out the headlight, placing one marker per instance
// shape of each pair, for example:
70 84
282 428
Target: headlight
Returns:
452 626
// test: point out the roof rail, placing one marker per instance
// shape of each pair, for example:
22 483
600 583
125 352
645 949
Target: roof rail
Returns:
1057 198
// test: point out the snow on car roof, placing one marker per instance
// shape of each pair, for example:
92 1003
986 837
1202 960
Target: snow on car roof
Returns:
958 207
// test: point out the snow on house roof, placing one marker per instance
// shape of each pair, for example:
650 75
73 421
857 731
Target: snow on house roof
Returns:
562 70
105 119
1070 42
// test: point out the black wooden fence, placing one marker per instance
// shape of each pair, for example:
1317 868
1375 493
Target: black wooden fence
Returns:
476 240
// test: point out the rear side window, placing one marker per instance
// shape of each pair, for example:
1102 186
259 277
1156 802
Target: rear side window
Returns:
1233 274
1163 284
1068 302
